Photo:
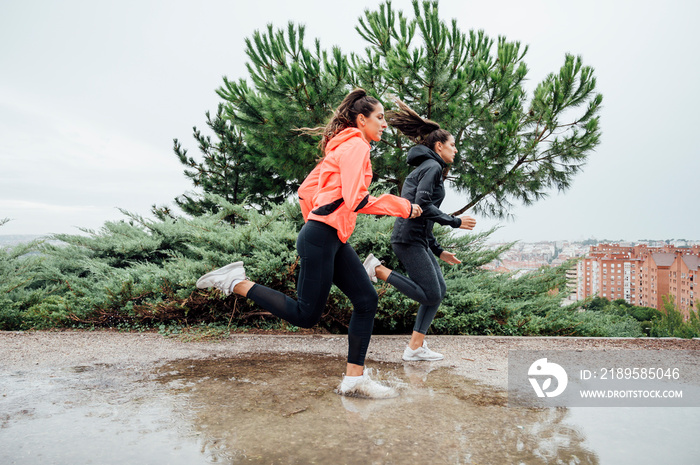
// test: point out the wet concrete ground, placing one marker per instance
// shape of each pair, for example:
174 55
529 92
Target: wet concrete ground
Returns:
280 408
272 409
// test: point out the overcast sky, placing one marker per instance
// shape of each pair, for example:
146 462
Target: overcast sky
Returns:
93 93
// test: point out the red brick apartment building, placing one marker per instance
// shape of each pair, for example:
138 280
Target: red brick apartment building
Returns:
682 280
641 275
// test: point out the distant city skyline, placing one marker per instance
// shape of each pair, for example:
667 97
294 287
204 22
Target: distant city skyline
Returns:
92 95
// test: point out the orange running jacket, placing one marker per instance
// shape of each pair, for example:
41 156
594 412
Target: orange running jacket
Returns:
336 190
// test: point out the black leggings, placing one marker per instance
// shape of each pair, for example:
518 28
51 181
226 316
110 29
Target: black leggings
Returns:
425 285
325 260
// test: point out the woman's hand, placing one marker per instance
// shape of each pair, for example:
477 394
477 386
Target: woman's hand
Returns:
416 211
467 222
449 257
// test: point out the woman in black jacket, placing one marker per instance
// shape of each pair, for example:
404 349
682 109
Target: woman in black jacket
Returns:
412 239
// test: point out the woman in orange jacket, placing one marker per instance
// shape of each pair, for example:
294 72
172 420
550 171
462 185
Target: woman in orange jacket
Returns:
331 197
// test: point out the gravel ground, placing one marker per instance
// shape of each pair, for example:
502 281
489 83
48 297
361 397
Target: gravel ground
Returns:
480 358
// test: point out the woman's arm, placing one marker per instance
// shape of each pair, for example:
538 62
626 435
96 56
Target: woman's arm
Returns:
354 166
427 183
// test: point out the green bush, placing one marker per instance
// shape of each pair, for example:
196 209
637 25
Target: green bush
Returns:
18 267
141 273
671 323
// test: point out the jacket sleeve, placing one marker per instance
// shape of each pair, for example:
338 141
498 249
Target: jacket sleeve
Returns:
387 204
307 191
426 186
432 242
353 161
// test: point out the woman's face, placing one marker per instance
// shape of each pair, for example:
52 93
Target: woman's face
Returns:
372 126
447 150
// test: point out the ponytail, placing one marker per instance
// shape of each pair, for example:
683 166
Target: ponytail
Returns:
420 130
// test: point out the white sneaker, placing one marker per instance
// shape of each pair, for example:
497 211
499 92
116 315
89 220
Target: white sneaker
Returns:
365 387
223 278
371 263
421 353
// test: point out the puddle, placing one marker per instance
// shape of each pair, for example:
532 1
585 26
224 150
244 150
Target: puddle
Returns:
281 409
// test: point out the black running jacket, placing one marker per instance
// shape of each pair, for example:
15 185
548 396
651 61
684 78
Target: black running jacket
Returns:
425 187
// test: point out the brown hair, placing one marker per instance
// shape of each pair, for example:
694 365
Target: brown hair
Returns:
345 116
420 130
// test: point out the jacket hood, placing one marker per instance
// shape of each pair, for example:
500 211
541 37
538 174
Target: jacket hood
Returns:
419 153
343 136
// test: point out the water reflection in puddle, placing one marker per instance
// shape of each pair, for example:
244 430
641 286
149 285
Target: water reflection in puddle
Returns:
281 409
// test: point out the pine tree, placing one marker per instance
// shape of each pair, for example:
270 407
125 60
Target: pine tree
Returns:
513 147
293 87
227 169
